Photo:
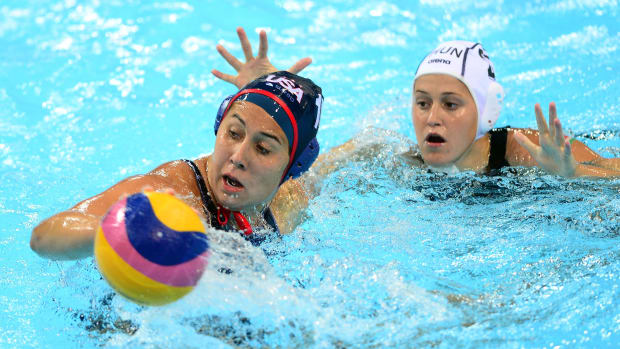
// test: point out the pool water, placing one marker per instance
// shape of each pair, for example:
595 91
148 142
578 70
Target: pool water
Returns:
390 256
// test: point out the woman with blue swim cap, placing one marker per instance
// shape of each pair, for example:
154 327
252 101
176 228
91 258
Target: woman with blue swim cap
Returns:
265 134
456 102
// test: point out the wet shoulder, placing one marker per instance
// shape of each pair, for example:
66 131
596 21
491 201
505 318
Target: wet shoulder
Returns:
180 175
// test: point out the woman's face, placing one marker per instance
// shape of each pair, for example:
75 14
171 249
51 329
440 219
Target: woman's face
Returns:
249 159
445 119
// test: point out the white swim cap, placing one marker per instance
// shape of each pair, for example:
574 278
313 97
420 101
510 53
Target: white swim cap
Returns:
468 62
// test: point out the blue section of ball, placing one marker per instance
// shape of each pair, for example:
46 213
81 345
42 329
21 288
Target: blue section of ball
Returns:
154 240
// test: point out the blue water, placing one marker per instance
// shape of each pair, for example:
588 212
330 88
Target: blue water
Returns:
391 256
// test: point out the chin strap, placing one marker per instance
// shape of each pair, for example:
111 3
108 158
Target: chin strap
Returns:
242 222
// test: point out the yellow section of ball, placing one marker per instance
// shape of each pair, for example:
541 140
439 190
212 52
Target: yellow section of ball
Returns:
129 282
174 213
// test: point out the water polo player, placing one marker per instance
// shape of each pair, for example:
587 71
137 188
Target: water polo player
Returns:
456 102
265 134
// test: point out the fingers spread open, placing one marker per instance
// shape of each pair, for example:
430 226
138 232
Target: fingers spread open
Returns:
552 117
263 45
567 149
553 112
245 44
540 120
559 133
555 125
525 142
300 65
234 62
226 77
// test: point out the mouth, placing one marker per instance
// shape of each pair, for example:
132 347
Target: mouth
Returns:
231 183
434 140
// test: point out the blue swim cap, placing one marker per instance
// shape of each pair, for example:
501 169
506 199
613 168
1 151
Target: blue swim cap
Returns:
295 104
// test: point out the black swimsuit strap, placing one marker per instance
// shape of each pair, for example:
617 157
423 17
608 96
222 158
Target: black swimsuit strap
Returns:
497 153
207 204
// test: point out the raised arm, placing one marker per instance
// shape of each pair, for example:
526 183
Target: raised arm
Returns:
253 67
70 234
556 154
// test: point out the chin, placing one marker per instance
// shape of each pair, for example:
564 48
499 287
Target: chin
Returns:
437 160
230 202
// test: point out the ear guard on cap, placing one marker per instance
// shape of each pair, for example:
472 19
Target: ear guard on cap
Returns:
304 160
220 113
492 108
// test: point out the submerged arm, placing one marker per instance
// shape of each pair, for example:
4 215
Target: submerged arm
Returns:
612 164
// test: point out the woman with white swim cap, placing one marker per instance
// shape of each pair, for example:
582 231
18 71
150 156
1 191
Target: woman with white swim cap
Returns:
456 102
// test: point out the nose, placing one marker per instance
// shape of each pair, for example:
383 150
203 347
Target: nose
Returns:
434 115
239 156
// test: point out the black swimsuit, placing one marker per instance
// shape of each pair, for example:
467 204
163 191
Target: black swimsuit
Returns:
498 138
210 209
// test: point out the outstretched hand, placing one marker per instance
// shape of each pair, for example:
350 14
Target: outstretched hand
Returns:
253 67
554 154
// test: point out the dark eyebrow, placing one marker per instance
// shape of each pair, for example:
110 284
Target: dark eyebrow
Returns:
265 134
235 115
268 135
443 94
452 94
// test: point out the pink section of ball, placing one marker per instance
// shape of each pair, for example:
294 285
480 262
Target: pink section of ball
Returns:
181 275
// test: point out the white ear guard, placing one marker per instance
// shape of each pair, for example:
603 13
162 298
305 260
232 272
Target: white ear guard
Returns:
492 109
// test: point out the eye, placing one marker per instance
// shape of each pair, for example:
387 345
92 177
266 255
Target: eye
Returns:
422 104
233 134
451 105
262 150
